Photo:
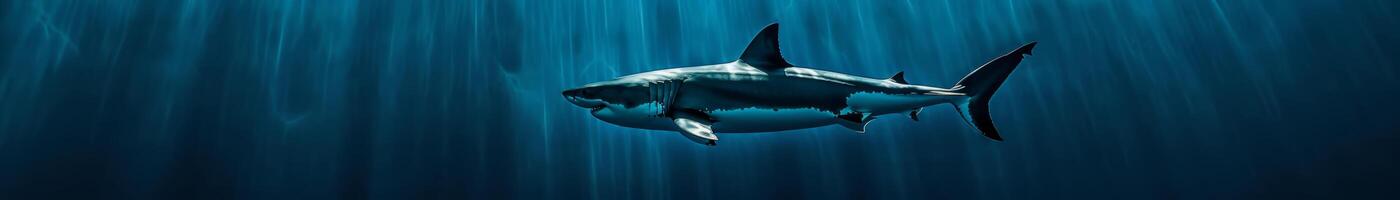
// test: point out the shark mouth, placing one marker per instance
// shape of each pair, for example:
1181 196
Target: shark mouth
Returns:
597 108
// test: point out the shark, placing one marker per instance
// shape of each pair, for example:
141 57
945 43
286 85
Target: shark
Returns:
763 92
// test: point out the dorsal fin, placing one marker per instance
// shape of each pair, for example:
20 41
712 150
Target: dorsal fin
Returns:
899 78
763 50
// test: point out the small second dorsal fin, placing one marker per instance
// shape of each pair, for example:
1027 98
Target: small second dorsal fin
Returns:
763 52
899 78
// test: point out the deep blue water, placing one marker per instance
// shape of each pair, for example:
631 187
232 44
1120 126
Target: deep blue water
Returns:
312 99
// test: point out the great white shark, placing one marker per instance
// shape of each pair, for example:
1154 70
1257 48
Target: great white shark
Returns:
762 92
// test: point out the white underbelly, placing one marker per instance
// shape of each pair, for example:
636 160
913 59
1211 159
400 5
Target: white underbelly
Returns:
645 116
768 120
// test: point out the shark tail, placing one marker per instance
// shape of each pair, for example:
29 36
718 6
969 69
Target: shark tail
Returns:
981 84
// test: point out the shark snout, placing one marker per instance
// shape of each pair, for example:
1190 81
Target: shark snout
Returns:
579 97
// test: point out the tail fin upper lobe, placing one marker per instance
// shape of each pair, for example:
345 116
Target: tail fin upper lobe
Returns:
981 84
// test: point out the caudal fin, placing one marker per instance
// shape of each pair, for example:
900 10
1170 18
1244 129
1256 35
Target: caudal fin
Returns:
981 84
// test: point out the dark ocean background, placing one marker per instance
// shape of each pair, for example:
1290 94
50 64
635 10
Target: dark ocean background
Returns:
331 99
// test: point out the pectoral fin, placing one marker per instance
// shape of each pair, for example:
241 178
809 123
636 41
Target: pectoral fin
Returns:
696 128
855 121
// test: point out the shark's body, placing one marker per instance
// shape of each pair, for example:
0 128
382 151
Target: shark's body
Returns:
761 92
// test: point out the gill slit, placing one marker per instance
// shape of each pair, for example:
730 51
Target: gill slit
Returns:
664 94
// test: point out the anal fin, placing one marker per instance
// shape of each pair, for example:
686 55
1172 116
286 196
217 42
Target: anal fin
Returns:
915 114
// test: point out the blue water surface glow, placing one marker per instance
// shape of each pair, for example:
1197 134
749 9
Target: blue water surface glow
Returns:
413 99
